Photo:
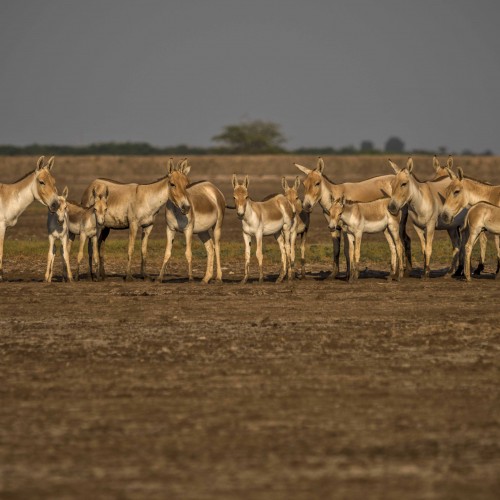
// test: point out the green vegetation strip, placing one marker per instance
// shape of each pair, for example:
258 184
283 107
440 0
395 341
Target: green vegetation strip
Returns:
374 251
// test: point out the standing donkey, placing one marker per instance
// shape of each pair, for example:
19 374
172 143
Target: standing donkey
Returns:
425 205
370 217
86 222
208 206
465 192
273 216
15 198
300 225
133 206
58 229
319 189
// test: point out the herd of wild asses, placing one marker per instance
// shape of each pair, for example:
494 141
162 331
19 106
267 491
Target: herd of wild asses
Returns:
465 207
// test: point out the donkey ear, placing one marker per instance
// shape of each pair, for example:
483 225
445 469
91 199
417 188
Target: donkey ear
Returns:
284 184
65 192
234 181
170 166
409 163
321 165
449 163
296 184
247 181
460 173
39 163
106 193
435 163
394 166
93 192
451 174
186 168
306 170
50 163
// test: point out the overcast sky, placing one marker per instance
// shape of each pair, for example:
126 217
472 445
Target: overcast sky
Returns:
332 73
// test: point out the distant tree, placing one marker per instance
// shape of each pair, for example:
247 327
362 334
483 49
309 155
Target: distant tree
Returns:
252 137
367 147
394 145
442 150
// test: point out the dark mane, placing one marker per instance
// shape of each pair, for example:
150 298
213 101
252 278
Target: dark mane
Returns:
270 196
125 183
485 183
329 180
24 177
195 183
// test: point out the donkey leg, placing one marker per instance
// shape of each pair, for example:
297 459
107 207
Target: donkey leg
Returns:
66 263
406 241
209 246
93 256
392 248
303 238
2 238
248 245
50 259
101 247
144 250
188 233
497 244
290 264
351 264
83 239
259 255
131 242
217 235
455 241
429 238
293 239
336 252
483 242
168 253
473 235
280 238
357 253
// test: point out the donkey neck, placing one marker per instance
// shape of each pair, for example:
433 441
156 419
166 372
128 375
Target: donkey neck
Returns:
158 192
419 191
327 192
22 194
477 192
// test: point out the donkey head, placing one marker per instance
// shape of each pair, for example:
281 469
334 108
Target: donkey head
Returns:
63 206
335 212
100 204
312 184
400 186
292 193
178 182
240 195
45 186
455 198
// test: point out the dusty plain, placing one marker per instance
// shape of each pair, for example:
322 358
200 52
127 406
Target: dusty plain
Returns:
309 389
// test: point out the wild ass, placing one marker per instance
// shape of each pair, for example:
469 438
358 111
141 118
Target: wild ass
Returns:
481 217
424 200
370 217
464 192
318 188
300 225
86 222
58 229
15 198
135 206
272 216
208 206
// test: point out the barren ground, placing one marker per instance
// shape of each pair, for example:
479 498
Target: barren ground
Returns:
308 389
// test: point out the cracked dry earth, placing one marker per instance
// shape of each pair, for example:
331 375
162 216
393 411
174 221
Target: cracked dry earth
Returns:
303 390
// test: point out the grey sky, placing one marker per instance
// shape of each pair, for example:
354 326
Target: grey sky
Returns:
330 72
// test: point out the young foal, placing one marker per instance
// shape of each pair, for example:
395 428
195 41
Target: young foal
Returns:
371 217
300 225
481 217
57 227
208 206
15 198
86 222
273 216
